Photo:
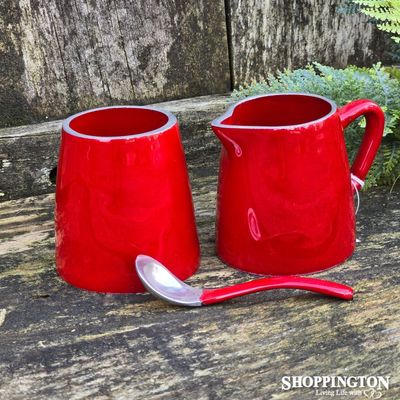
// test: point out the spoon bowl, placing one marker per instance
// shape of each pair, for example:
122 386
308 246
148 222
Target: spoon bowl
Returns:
163 284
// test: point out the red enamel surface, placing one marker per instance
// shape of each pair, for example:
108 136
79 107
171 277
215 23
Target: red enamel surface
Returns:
118 197
285 202
333 289
373 133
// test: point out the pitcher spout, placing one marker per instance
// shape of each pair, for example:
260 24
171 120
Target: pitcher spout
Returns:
227 133
229 144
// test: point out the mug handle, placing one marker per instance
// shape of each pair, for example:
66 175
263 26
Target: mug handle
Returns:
375 125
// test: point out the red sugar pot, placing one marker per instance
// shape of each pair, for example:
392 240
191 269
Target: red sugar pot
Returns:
122 190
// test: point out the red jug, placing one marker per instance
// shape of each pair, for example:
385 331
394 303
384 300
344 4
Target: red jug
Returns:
285 195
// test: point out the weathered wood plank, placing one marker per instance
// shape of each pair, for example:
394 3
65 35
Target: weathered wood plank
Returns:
28 154
62 343
59 57
267 35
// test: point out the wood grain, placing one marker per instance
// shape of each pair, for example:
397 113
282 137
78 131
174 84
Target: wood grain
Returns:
268 35
59 57
28 154
59 342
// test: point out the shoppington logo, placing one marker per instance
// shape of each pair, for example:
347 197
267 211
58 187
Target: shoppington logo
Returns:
371 387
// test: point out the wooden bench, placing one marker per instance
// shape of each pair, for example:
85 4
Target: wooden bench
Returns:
59 342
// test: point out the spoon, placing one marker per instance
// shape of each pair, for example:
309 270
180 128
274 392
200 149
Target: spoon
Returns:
163 284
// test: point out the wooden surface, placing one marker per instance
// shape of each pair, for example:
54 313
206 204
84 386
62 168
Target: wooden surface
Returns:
57 342
59 57
63 56
28 154
267 35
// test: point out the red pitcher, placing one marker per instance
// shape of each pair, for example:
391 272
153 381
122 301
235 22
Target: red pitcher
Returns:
285 197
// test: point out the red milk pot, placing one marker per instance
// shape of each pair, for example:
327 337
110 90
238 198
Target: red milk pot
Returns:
285 197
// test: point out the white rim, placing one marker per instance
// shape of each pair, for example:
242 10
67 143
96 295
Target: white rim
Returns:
170 123
217 122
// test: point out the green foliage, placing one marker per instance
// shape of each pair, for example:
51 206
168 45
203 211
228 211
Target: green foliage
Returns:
350 7
343 86
386 13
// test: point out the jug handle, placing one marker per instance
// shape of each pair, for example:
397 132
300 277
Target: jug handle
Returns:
375 124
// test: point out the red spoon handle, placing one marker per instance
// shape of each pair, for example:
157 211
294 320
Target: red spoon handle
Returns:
328 288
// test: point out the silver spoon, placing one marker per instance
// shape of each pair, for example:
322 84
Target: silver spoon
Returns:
163 284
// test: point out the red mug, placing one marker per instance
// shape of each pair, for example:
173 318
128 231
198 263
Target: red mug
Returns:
285 195
122 190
